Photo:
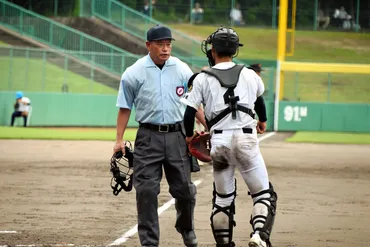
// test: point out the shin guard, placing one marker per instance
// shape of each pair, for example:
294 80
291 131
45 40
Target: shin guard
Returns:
222 220
263 214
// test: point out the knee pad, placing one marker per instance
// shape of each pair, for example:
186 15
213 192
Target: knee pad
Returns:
222 219
263 214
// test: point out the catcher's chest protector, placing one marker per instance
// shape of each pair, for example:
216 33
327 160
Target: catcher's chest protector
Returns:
229 79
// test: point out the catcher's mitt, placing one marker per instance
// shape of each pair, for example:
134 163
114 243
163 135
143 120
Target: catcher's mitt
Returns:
199 146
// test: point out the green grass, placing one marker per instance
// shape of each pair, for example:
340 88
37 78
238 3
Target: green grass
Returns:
310 46
31 79
330 137
63 134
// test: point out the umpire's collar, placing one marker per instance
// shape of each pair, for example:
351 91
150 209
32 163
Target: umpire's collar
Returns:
149 62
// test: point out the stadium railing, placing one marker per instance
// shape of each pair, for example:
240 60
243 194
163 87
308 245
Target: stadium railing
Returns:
60 37
44 70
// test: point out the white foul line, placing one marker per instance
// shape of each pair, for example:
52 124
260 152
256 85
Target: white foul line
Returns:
46 245
133 230
2 232
42 245
266 136
165 206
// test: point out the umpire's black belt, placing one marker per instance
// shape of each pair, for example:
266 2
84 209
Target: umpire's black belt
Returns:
245 131
162 127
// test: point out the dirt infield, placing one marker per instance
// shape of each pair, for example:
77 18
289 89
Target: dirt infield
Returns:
56 193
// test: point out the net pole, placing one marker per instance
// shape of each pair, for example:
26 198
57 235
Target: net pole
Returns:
191 13
316 6
357 15
274 11
232 7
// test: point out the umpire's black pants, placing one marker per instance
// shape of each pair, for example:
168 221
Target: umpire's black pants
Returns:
154 150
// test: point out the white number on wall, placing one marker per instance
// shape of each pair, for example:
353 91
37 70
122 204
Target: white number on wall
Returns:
294 113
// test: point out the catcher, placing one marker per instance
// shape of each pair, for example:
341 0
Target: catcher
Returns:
228 92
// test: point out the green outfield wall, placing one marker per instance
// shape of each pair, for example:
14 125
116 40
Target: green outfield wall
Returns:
338 117
64 109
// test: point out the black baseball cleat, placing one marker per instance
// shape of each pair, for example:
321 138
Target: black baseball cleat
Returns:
190 240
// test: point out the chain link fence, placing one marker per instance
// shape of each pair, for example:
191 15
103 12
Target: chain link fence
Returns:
262 13
327 87
44 70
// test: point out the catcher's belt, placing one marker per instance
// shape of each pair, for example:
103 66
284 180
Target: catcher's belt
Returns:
245 131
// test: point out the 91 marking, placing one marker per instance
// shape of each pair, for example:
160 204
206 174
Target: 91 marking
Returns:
294 113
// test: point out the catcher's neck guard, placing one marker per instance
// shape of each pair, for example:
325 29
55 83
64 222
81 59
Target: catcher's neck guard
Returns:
123 178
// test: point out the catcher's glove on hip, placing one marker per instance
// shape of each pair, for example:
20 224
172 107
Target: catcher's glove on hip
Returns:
199 146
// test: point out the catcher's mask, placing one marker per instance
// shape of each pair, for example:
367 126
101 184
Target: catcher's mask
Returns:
224 40
123 176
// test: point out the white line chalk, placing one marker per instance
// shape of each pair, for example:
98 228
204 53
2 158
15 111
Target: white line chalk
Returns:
264 137
3 232
41 245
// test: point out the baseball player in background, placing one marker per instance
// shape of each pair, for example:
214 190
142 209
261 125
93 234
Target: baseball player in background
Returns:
228 92
21 108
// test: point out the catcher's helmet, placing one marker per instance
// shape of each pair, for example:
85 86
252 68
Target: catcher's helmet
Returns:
224 40
123 176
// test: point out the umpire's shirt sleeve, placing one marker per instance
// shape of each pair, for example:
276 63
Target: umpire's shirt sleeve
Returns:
126 93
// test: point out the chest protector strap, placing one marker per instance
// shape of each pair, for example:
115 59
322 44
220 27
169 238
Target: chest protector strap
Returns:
228 78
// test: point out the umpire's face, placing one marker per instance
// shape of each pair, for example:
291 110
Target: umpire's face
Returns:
160 50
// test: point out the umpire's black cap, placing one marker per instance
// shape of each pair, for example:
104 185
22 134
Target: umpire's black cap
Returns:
257 67
159 32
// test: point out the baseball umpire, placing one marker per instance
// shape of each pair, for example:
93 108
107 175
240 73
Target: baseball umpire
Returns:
228 92
155 84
